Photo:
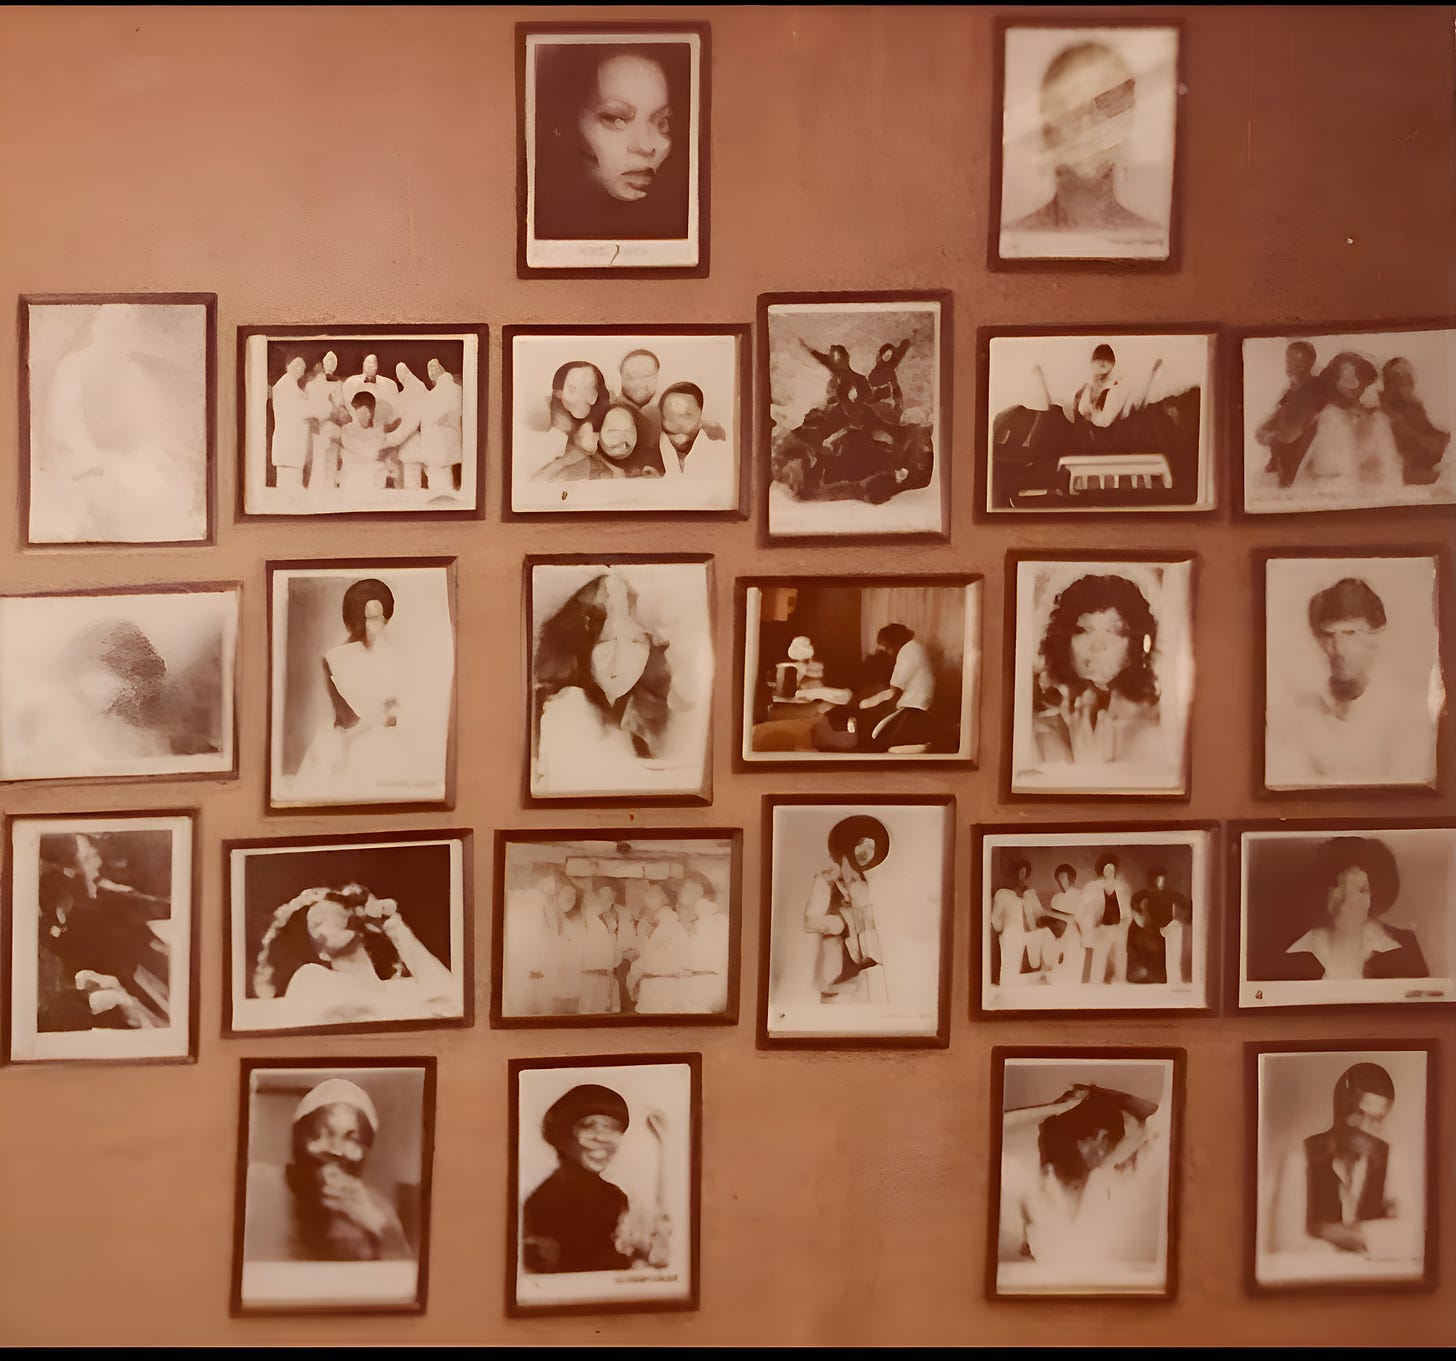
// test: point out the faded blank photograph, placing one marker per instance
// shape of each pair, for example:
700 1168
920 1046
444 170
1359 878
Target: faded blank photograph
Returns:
1342 422
363 673
1342 1167
1100 423
625 423
621 678
358 934
858 913
1353 686
616 929
1104 677
1088 142
99 686
1086 1176
118 422
856 441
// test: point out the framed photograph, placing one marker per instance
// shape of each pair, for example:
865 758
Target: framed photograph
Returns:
613 149
1342 1153
606 926
361 704
100 916
120 683
1355 912
1101 674
348 933
855 394
1098 422
620 658
1347 418
1087 166
1352 678
361 421
605 1181
118 392
1095 919
1085 1167
626 420
860 670
857 909
333 1186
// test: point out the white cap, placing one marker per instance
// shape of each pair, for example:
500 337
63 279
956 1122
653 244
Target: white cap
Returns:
338 1091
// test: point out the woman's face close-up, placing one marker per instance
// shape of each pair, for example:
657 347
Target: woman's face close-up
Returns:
626 126
594 1142
1349 898
1099 647
579 391
618 435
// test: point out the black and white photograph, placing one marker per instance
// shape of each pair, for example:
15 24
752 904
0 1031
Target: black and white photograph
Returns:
856 922
365 420
1099 422
119 684
1344 1139
1084 1195
613 147
347 933
1101 674
601 927
1078 918
1352 675
855 394
613 420
621 677
1346 914
1088 155
101 912
604 1184
333 1194
117 399
861 669
362 682
1348 421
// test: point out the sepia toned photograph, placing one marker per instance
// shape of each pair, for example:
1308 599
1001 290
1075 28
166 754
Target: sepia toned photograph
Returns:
613 168
1085 1167
117 397
621 677
1081 918
1099 421
364 421
1344 1139
1102 675
857 922
1353 686
333 1195
605 1173
600 927
113 684
1348 421
347 933
362 682
1088 116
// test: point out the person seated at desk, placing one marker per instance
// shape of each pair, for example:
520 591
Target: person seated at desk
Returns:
897 714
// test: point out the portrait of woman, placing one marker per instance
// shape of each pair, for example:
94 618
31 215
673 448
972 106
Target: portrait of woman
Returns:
840 912
1352 443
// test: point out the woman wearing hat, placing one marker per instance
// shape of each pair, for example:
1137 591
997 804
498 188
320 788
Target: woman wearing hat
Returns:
839 911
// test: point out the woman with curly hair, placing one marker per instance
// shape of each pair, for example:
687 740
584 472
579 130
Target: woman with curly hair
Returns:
1353 444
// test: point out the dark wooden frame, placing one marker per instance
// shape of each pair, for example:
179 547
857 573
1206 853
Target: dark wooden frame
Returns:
328 1065
742 334
1087 264
1000 1054
694 1064
943 452
208 302
480 330
505 837
687 28
941 1039
1253 1051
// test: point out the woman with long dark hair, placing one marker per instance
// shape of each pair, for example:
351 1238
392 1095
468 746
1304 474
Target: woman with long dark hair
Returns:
1352 446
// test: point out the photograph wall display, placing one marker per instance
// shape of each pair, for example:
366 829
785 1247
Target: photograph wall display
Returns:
855 402
605 1181
117 399
333 1186
361 420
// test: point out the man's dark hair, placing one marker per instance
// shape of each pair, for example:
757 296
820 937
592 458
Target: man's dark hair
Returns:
895 635
686 389
363 399
1349 598
1357 1081
1104 352
1303 349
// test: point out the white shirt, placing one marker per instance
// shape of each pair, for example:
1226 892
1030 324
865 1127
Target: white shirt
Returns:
440 415
293 408
386 396
1319 942
913 676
